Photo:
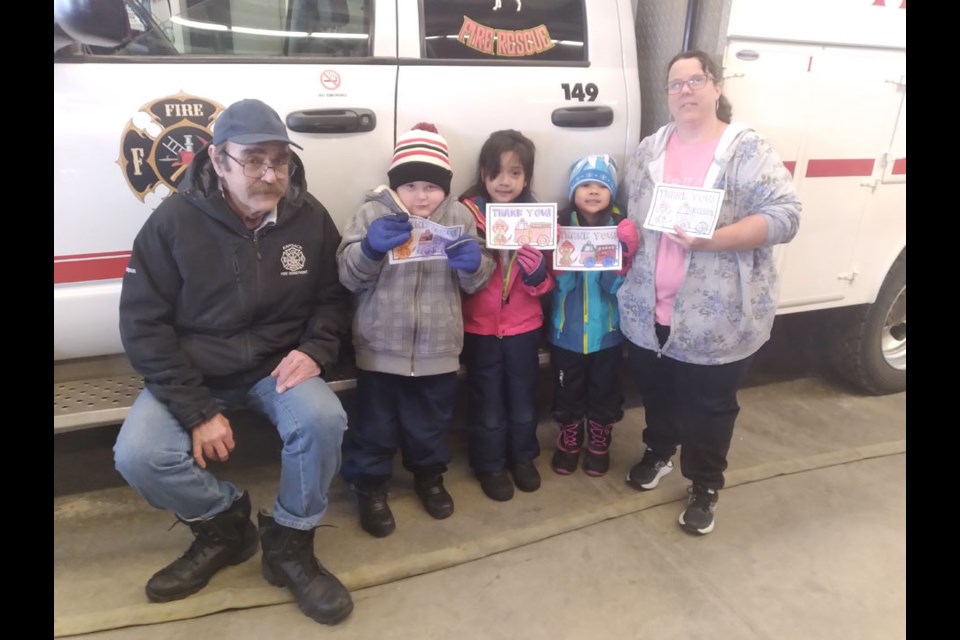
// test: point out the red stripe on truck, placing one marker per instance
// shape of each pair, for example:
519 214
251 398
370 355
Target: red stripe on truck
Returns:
839 168
89 266
900 167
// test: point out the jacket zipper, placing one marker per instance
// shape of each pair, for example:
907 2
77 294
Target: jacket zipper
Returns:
505 296
416 324
586 309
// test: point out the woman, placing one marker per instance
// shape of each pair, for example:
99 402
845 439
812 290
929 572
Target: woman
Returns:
695 310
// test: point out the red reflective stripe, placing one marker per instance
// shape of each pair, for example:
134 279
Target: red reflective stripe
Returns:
791 166
839 168
900 167
89 266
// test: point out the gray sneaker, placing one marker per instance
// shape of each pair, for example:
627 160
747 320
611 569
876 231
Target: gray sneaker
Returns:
646 474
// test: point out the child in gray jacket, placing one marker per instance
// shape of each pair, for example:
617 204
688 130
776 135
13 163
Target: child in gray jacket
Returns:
408 329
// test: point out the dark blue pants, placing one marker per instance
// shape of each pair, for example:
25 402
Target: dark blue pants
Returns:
412 414
692 406
587 385
502 375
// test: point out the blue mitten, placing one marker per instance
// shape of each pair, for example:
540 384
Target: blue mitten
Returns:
464 254
384 234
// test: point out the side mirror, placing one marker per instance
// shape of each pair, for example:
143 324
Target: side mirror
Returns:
101 23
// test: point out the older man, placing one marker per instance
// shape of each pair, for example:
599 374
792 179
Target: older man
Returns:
231 299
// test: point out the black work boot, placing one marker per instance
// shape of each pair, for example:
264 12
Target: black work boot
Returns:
569 442
227 538
375 515
288 561
597 461
435 499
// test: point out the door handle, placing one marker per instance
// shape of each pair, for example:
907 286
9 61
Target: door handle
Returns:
582 117
332 120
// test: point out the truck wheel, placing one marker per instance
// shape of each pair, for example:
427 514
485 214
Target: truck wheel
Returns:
869 345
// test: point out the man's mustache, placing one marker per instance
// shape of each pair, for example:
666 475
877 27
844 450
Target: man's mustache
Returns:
264 189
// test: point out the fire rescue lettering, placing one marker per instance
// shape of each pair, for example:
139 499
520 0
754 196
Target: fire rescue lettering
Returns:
500 42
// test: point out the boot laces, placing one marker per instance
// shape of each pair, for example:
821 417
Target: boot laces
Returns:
600 435
569 437
201 545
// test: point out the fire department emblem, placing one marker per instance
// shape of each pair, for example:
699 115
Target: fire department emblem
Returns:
159 141
293 259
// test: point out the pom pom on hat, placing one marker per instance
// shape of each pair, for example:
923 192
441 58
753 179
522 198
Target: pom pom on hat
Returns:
596 168
421 154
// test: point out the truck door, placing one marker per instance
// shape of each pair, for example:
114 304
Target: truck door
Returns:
127 121
545 68
825 82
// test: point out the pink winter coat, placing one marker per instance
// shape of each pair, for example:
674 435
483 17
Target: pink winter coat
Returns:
505 306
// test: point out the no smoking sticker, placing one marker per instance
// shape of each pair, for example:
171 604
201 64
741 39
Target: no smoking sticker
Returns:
330 79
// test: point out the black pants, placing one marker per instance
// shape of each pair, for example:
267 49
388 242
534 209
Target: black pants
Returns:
502 375
395 412
587 385
692 406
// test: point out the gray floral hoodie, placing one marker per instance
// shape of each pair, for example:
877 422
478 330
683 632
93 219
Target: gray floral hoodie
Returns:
725 307
409 320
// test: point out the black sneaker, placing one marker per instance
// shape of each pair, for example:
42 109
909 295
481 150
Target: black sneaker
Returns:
435 498
526 476
647 473
496 484
697 518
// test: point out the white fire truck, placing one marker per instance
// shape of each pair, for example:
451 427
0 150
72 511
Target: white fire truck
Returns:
139 83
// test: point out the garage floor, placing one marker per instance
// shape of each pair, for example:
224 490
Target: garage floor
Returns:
810 540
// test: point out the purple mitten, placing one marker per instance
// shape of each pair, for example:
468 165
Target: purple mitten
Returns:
532 265
464 254
384 234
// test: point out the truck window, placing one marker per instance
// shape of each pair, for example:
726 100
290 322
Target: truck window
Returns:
244 28
504 30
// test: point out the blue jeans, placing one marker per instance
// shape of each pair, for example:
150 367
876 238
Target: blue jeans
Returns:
154 453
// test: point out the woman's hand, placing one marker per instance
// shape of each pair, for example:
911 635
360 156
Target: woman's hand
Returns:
687 242
743 235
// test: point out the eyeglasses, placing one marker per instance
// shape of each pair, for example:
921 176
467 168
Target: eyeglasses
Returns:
695 83
257 169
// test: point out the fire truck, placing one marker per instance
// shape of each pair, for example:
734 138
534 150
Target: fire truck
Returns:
138 85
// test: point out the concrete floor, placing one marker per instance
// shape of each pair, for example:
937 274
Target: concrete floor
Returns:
818 554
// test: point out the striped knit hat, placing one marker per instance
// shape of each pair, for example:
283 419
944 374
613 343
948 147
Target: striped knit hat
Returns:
421 154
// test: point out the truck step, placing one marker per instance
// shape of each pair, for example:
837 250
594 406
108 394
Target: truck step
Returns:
98 402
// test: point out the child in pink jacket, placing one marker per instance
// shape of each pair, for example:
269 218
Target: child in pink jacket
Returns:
502 331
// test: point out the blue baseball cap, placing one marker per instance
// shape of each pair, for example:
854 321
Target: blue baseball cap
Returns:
596 168
248 122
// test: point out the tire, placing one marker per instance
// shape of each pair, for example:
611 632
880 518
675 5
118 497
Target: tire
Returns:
869 343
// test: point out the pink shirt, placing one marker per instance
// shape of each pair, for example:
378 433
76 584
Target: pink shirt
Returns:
685 164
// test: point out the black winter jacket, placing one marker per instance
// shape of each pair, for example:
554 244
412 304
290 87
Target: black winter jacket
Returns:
207 303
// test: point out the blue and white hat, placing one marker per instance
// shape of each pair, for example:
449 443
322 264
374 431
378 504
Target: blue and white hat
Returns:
596 168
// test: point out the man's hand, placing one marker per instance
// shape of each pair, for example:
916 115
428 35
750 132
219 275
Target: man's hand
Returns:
212 439
294 369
